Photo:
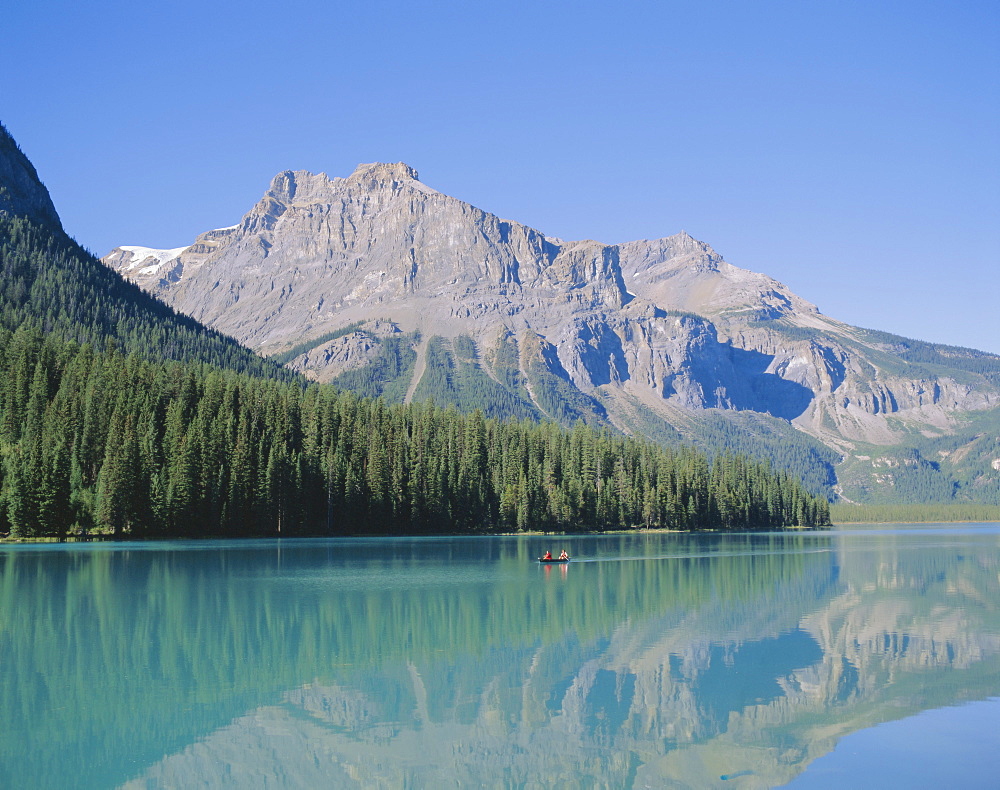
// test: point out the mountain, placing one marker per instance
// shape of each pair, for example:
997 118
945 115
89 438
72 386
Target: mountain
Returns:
51 282
381 284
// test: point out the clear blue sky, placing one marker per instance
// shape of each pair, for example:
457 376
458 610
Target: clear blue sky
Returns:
849 149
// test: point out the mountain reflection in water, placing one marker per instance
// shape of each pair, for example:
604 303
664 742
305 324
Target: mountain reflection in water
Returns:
658 660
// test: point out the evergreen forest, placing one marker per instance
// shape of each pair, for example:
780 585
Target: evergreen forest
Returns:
49 281
97 442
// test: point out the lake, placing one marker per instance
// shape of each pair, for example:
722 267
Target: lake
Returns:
860 656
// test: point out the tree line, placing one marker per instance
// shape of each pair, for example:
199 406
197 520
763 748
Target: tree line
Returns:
94 441
849 513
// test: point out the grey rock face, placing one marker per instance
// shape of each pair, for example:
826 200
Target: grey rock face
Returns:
665 323
21 192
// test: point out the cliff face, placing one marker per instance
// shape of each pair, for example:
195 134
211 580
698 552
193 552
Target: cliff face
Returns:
664 327
21 192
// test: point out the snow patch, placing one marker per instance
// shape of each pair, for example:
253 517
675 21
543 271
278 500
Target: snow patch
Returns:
141 255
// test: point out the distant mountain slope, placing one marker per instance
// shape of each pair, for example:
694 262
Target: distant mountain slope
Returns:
21 192
380 283
47 279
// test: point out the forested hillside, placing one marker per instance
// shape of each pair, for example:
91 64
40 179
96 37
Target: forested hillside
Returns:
51 282
98 442
456 374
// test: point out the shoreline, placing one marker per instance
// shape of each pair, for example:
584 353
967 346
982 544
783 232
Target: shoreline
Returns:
78 538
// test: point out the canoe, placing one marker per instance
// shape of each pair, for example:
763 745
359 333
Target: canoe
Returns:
554 559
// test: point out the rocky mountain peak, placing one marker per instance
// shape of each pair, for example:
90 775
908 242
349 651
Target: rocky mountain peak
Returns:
301 186
298 185
22 193
383 172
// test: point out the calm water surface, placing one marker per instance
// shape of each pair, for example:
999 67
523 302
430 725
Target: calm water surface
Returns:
851 658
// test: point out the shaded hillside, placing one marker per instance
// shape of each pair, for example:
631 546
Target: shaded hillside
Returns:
48 280
962 467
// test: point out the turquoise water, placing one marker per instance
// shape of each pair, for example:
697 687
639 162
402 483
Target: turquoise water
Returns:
738 661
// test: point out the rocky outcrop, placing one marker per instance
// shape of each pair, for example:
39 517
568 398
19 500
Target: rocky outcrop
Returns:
21 192
681 273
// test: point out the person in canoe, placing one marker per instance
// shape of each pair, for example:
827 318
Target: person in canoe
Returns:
564 555
547 555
